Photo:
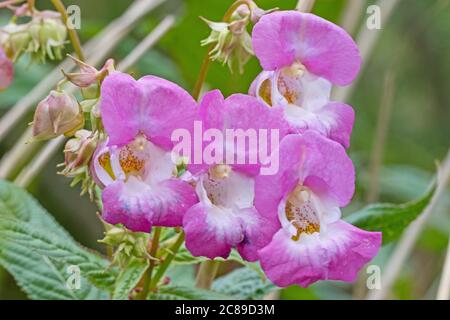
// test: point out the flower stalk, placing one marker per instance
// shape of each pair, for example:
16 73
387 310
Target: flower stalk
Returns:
73 35
148 275
167 261
206 274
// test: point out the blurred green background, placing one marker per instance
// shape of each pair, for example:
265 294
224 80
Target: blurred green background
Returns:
413 46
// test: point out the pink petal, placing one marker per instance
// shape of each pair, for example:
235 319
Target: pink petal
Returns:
210 231
337 254
138 206
325 49
244 112
271 189
166 107
120 105
6 70
258 232
326 161
341 126
150 105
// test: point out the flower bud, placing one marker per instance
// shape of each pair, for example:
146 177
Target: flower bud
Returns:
6 70
114 236
59 113
78 151
88 75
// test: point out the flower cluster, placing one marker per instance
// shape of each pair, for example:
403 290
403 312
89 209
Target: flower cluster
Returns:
289 220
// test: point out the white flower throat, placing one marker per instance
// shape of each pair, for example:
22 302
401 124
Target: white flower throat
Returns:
302 213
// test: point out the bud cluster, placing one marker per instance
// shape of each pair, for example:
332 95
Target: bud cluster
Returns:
44 36
60 113
231 39
127 244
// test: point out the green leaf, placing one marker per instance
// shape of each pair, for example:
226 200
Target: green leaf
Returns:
17 234
128 278
38 252
185 293
390 219
17 203
40 276
243 283
183 256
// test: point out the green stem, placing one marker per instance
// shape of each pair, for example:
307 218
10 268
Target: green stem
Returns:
202 75
167 261
148 275
73 35
206 274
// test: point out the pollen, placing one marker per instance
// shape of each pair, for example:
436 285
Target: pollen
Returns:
129 162
301 213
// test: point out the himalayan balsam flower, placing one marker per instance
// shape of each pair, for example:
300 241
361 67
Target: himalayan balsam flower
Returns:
315 179
225 217
302 56
6 70
134 166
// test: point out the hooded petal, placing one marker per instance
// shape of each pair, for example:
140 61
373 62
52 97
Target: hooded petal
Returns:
247 118
337 254
326 50
120 107
167 107
326 164
151 105
138 206
6 70
267 196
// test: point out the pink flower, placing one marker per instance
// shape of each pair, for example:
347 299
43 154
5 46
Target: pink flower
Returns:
226 217
302 56
134 165
312 243
6 70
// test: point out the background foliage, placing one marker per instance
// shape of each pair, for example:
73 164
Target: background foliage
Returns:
413 46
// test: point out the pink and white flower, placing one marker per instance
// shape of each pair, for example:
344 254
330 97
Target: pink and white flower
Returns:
302 56
134 166
312 243
226 217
